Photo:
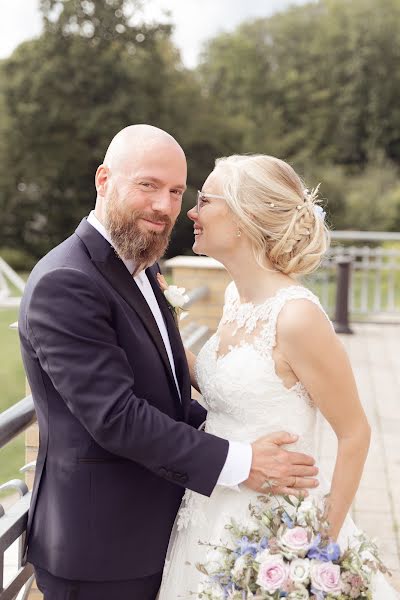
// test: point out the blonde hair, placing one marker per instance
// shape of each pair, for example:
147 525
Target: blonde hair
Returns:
275 211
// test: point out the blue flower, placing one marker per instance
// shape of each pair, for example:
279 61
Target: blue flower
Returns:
324 552
263 543
333 551
229 587
246 547
287 520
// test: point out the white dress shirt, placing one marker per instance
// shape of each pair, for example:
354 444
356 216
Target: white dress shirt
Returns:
238 461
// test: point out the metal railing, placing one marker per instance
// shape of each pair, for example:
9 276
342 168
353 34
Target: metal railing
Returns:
7 276
14 421
374 286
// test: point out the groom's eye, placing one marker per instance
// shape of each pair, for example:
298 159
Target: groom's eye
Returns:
147 185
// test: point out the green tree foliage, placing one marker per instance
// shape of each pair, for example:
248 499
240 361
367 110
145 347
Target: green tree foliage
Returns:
92 72
318 85
318 82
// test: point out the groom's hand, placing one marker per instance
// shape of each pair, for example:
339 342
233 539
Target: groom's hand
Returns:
279 471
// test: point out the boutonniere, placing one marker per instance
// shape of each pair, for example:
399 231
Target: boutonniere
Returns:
175 297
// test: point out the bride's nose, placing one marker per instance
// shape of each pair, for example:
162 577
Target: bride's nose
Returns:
193 214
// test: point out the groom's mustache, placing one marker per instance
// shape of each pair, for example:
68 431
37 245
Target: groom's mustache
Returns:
154 216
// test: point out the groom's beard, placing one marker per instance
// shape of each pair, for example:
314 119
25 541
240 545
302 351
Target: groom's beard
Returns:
129 240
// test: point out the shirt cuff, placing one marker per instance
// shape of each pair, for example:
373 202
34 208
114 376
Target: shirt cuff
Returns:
237 465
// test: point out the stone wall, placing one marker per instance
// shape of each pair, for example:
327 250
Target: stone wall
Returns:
196 271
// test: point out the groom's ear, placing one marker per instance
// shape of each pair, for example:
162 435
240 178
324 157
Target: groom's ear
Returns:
101 179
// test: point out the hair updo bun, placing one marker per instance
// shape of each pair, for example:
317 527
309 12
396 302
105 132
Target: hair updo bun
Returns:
282 219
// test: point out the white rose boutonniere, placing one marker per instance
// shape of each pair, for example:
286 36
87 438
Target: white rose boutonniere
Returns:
175 296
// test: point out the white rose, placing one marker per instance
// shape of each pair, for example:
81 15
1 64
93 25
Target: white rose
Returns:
176 296
300 570
215 560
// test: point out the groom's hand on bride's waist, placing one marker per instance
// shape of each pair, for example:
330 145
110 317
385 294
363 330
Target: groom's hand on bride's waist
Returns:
279 471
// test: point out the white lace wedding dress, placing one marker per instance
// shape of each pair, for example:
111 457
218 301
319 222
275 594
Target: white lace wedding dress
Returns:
245 400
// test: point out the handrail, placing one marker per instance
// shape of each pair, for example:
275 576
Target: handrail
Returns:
12 528
16 419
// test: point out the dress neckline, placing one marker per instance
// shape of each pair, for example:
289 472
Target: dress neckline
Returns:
274 296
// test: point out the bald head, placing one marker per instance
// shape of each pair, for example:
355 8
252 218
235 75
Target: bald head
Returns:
135 141
139 191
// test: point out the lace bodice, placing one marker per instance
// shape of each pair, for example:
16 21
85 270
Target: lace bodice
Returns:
241 390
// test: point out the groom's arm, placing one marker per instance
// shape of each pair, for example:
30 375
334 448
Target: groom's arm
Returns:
71 330
197 414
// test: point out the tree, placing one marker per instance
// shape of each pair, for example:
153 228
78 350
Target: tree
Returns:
67 93
318 81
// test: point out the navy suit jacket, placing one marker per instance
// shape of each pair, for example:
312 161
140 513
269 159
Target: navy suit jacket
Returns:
117 444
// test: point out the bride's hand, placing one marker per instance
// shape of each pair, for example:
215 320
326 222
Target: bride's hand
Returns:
279 471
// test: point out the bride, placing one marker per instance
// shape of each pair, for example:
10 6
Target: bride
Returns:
274 361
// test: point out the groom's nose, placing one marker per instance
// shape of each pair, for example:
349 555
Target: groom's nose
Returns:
162 203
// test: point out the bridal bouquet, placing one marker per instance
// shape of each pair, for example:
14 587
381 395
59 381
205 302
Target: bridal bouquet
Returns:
285 552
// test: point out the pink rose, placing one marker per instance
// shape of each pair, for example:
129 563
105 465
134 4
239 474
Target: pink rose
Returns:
325 576
273 573
295 542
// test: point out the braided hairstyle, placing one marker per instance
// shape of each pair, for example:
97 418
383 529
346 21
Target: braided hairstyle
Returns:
276 212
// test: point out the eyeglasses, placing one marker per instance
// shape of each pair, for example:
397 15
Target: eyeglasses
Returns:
202 199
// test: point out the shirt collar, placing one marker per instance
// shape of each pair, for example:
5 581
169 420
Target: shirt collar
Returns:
94 222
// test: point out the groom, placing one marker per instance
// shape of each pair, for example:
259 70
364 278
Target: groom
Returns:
108 374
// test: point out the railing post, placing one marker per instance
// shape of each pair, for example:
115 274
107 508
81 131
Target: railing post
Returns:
341 320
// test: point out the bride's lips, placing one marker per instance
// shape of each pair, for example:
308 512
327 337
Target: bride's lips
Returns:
197 231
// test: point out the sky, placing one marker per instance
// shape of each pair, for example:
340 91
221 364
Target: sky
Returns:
195 20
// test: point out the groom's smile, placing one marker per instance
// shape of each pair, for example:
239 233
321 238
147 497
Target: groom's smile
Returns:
154 225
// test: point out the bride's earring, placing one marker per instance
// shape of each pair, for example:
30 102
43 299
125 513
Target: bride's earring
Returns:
239 233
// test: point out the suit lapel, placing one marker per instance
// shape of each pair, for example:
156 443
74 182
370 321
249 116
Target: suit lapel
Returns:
178 350
114 270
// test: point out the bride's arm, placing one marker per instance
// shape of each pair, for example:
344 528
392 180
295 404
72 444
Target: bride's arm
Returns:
191 359
317 357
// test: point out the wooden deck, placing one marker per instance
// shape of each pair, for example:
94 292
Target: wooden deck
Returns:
374 352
